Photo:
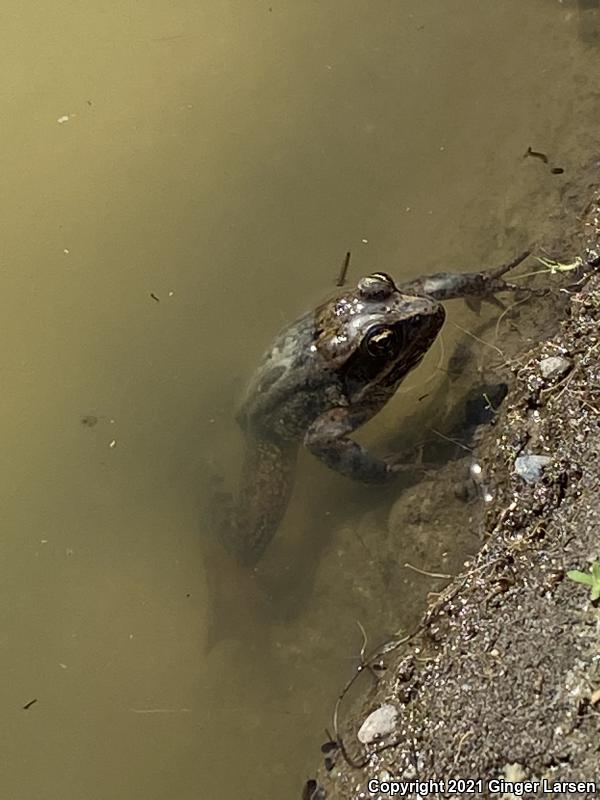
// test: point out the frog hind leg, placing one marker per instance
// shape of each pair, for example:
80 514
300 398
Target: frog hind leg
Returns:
266 484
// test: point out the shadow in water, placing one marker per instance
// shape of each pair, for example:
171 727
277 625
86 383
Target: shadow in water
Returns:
589 21
246 604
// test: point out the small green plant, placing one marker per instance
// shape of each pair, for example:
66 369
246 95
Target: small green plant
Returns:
553 266
591 578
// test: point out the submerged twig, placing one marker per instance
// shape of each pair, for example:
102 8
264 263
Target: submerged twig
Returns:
429 574
343 270
481 341
161 710
366 664
505 312
536 154
365 641
451 440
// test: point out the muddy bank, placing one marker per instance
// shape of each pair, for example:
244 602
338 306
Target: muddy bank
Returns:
500 679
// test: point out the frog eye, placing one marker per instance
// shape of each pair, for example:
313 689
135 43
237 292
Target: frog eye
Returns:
381 342
377 286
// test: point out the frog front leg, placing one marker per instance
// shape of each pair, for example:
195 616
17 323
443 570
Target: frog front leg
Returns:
328 439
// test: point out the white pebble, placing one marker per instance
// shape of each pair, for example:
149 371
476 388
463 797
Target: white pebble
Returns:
531 467
554 366
379 723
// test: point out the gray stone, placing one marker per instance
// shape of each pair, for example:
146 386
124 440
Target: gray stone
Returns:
530 468
379 723
554 366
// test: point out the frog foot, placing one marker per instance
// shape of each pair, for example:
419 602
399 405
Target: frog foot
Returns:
492 280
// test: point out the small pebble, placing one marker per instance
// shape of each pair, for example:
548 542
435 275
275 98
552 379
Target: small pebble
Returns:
554 366
530 468
379 723
592 257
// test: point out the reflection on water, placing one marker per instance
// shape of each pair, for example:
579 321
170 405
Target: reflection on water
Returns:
179 180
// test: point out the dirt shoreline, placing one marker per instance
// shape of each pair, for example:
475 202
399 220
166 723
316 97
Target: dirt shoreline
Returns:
500 681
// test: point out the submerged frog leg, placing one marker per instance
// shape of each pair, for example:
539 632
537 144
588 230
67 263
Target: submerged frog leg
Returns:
449 285
266 484
327 438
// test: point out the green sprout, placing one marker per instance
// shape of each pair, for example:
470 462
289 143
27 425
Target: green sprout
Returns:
591 579
552 266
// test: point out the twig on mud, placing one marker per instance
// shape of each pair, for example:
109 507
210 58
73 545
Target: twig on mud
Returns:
366 663
425 659
481 341
364 644
564 383
504 313
450 439
453 589
393 644
567 289
483 566
592 408
429 574
461 741
384 649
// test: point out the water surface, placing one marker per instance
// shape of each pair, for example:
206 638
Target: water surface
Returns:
179 180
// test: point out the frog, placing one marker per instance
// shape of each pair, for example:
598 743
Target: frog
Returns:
324 376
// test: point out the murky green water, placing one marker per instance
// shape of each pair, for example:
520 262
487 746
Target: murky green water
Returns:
223 156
